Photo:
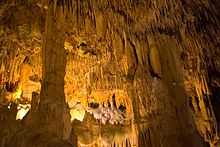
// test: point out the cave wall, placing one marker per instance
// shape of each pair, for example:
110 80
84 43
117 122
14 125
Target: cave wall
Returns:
162 55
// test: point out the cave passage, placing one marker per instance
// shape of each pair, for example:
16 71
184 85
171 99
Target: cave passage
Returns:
118 73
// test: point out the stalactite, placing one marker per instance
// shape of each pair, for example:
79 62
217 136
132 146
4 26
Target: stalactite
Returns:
119 31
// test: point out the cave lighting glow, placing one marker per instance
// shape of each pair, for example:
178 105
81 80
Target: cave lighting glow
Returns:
17 94
22 111
77 114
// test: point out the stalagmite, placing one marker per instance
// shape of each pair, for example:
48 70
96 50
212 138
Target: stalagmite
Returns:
109 73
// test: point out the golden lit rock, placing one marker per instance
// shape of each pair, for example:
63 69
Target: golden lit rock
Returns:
22 111
109 73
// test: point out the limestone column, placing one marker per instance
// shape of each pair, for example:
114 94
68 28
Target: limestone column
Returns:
54 116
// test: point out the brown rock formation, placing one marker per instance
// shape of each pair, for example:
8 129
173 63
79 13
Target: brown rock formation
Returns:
159 58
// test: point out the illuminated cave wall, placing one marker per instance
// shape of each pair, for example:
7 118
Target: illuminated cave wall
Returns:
159 58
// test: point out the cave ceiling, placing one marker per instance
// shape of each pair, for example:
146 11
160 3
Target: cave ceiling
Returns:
110 45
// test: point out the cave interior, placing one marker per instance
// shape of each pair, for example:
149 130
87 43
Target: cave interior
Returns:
109 73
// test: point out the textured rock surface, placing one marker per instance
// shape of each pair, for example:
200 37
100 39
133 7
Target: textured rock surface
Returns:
160 59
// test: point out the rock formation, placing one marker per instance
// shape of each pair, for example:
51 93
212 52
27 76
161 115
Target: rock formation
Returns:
154 63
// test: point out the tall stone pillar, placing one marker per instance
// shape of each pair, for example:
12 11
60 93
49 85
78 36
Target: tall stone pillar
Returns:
54 116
